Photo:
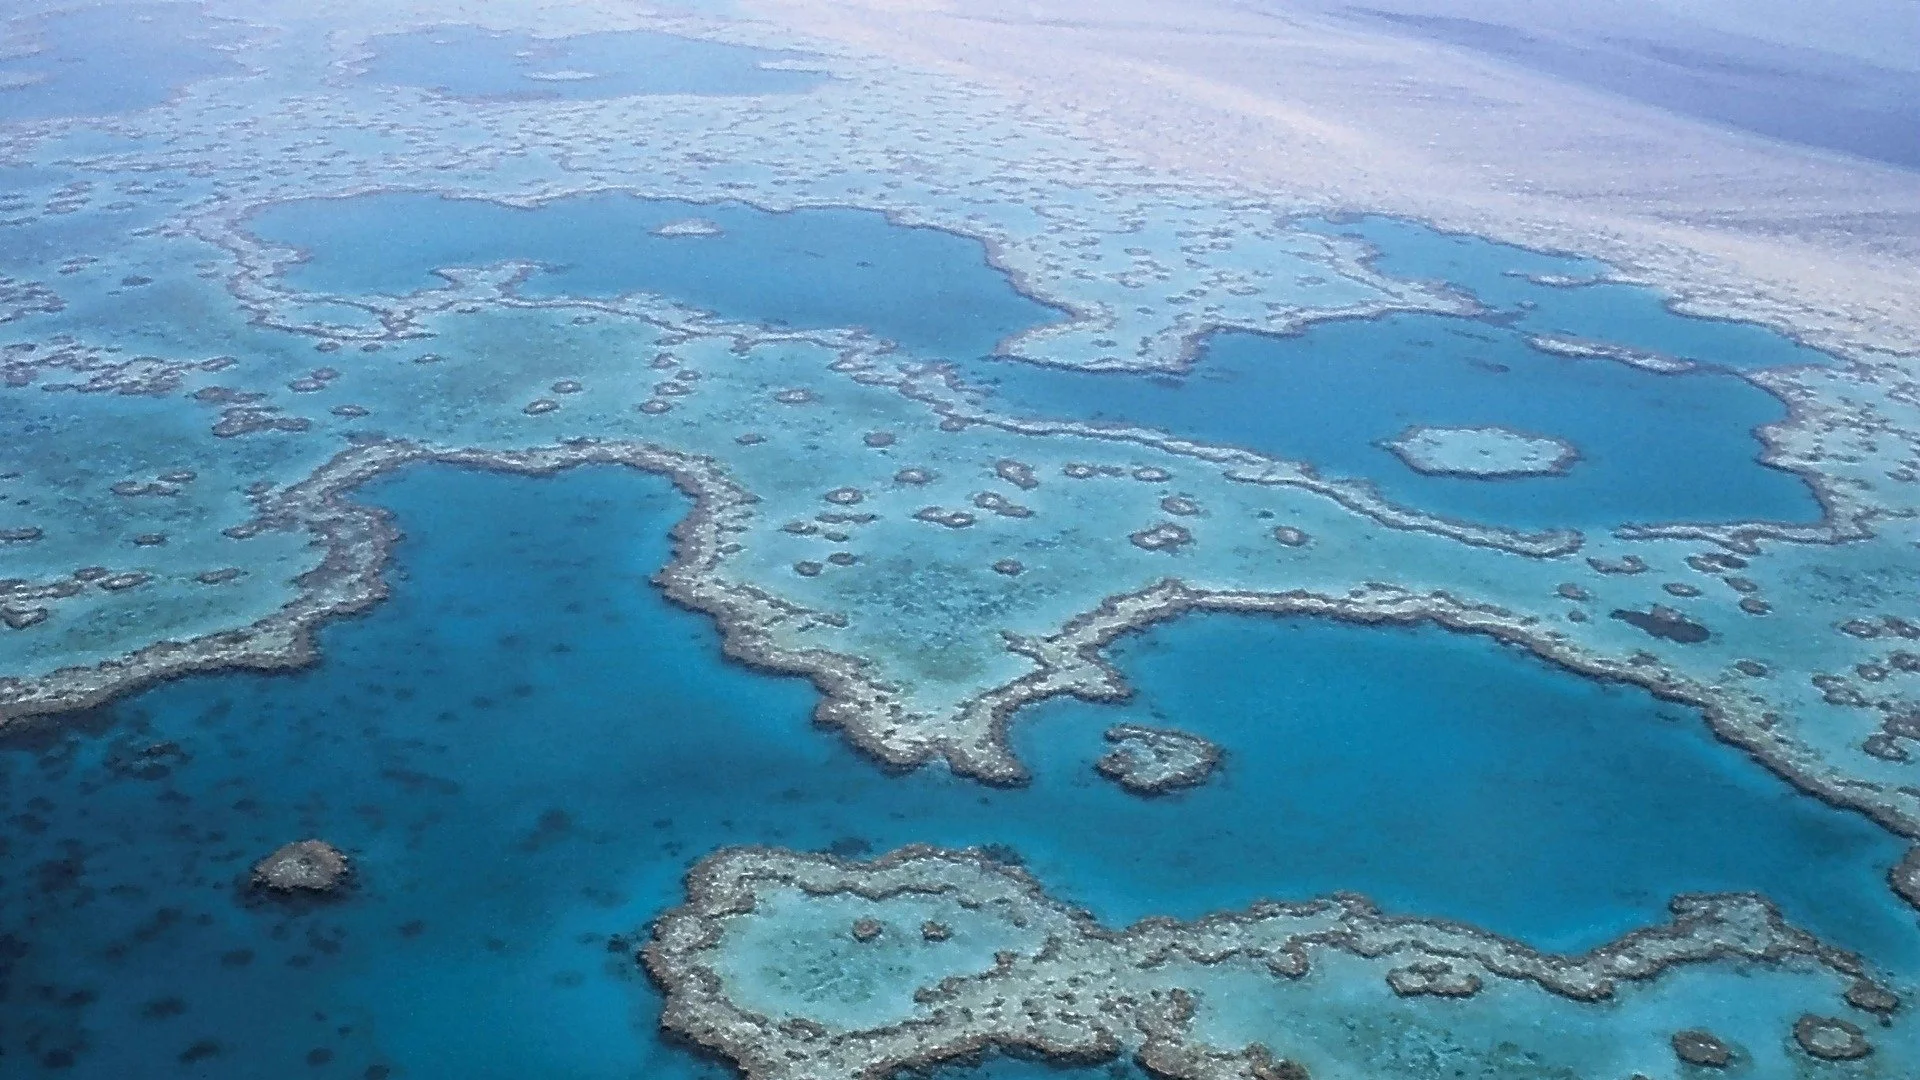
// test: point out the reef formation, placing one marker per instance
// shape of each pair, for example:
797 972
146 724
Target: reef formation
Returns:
805 966
1481 452
1152 761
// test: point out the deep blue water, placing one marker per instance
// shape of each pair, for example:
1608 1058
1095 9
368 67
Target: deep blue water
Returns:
114 58
526 745
927 289
471 62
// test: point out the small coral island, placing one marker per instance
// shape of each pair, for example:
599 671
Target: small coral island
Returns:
809 967
689 227
1483 453
1153 761
305 868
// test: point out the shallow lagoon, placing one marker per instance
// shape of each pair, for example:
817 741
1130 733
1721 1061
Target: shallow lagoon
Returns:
472 62
526 745
927 289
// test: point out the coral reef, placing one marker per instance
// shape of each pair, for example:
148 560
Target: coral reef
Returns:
1702 1048
305 867
1013 547
1483 453
1015 969
1830 1038
1152 761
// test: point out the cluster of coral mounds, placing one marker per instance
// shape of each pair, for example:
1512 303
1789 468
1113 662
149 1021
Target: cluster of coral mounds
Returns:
302 868
1485 453
1150 760
807 967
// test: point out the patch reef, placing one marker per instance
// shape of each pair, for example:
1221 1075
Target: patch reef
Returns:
1048 979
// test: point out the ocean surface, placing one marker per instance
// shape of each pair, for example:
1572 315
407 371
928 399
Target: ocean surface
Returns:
527 745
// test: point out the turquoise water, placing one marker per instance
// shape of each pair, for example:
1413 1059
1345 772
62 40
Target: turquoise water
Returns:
93 61
1440 772
1652 447
525 747
927 289
471 62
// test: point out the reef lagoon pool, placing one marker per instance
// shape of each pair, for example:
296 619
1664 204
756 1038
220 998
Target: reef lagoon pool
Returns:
930 290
